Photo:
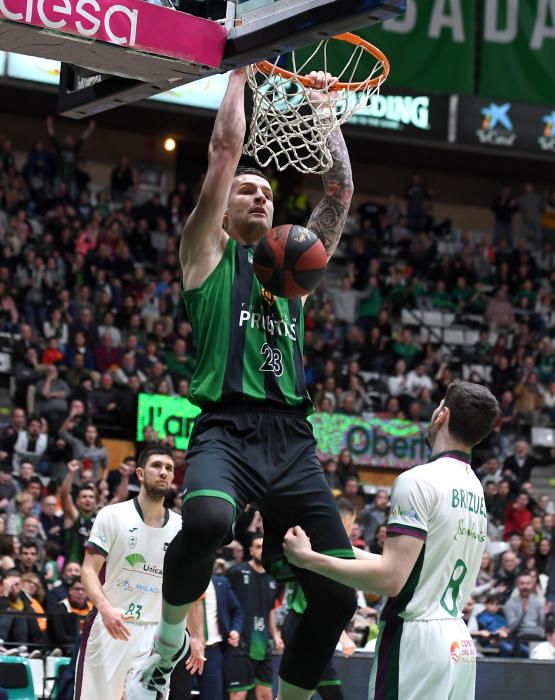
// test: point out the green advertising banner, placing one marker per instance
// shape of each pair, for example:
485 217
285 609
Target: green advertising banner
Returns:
372 441
518 51
168 415
430 48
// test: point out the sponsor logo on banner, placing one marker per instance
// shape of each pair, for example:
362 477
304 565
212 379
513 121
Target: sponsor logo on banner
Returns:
455 652
497 127
547 139
395 112
116 24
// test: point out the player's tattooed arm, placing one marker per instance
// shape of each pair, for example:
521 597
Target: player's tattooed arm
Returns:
329 216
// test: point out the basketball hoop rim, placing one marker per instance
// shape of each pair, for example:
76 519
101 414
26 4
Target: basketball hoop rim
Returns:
270 68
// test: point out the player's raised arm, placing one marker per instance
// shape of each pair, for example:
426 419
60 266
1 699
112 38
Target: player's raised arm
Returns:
329 216
203 239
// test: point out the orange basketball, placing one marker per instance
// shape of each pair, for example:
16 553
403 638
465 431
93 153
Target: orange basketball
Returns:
290 261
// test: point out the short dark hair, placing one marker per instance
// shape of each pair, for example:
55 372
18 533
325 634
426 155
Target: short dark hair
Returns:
248 170
28 544
492 598
72 580
87 486
145 454
474 411
255 536
549 626
345 506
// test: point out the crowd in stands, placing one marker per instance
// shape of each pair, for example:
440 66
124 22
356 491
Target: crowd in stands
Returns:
90 293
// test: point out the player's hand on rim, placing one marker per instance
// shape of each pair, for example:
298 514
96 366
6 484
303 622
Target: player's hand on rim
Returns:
196 659
296 546
321 93
114 623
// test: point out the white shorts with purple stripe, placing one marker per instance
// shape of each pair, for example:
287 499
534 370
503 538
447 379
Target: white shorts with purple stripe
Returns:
105 663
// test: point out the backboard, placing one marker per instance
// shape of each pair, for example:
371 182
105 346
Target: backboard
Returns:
133 49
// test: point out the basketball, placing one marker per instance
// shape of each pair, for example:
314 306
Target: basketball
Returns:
290 261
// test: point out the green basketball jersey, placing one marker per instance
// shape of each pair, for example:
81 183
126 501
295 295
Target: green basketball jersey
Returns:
249 343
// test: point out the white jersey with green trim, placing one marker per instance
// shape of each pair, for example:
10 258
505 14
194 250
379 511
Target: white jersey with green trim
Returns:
132 575
441 503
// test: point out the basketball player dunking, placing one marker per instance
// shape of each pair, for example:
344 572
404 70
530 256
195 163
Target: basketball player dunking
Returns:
252 442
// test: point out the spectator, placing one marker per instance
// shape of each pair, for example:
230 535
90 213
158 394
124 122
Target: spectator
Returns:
51 522
59 589
8 488
416 195
30 445
504 207
518 515
492 621
68 616
531 206
373 515
66 156
78 516
9 434
525 616
352 492
376 546
27 563
121 179
21 507
90 452
522 462
15 628
52 397
335 482
32 587
505 578
499 311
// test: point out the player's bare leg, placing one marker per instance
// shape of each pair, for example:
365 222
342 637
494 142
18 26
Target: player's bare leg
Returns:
292 692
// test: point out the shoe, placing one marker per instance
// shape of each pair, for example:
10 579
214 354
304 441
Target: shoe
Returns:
36 654
17 651
56 652
151 682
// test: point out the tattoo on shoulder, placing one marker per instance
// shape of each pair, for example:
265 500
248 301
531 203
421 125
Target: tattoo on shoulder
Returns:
328 218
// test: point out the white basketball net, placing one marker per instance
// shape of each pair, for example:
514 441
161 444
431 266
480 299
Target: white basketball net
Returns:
291 123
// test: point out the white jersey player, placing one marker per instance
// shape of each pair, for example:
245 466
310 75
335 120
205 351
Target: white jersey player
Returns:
436 536
122 574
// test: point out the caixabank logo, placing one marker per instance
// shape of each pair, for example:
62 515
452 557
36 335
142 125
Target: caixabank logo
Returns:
497 127
547 139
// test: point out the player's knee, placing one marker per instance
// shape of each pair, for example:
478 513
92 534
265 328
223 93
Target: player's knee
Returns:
207 521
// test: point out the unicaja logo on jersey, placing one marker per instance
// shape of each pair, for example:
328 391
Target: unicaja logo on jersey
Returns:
497 127
455 651
134 559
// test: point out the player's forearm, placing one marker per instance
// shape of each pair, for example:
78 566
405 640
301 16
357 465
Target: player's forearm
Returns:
93 588
362 574
330 214
195 621
230 125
